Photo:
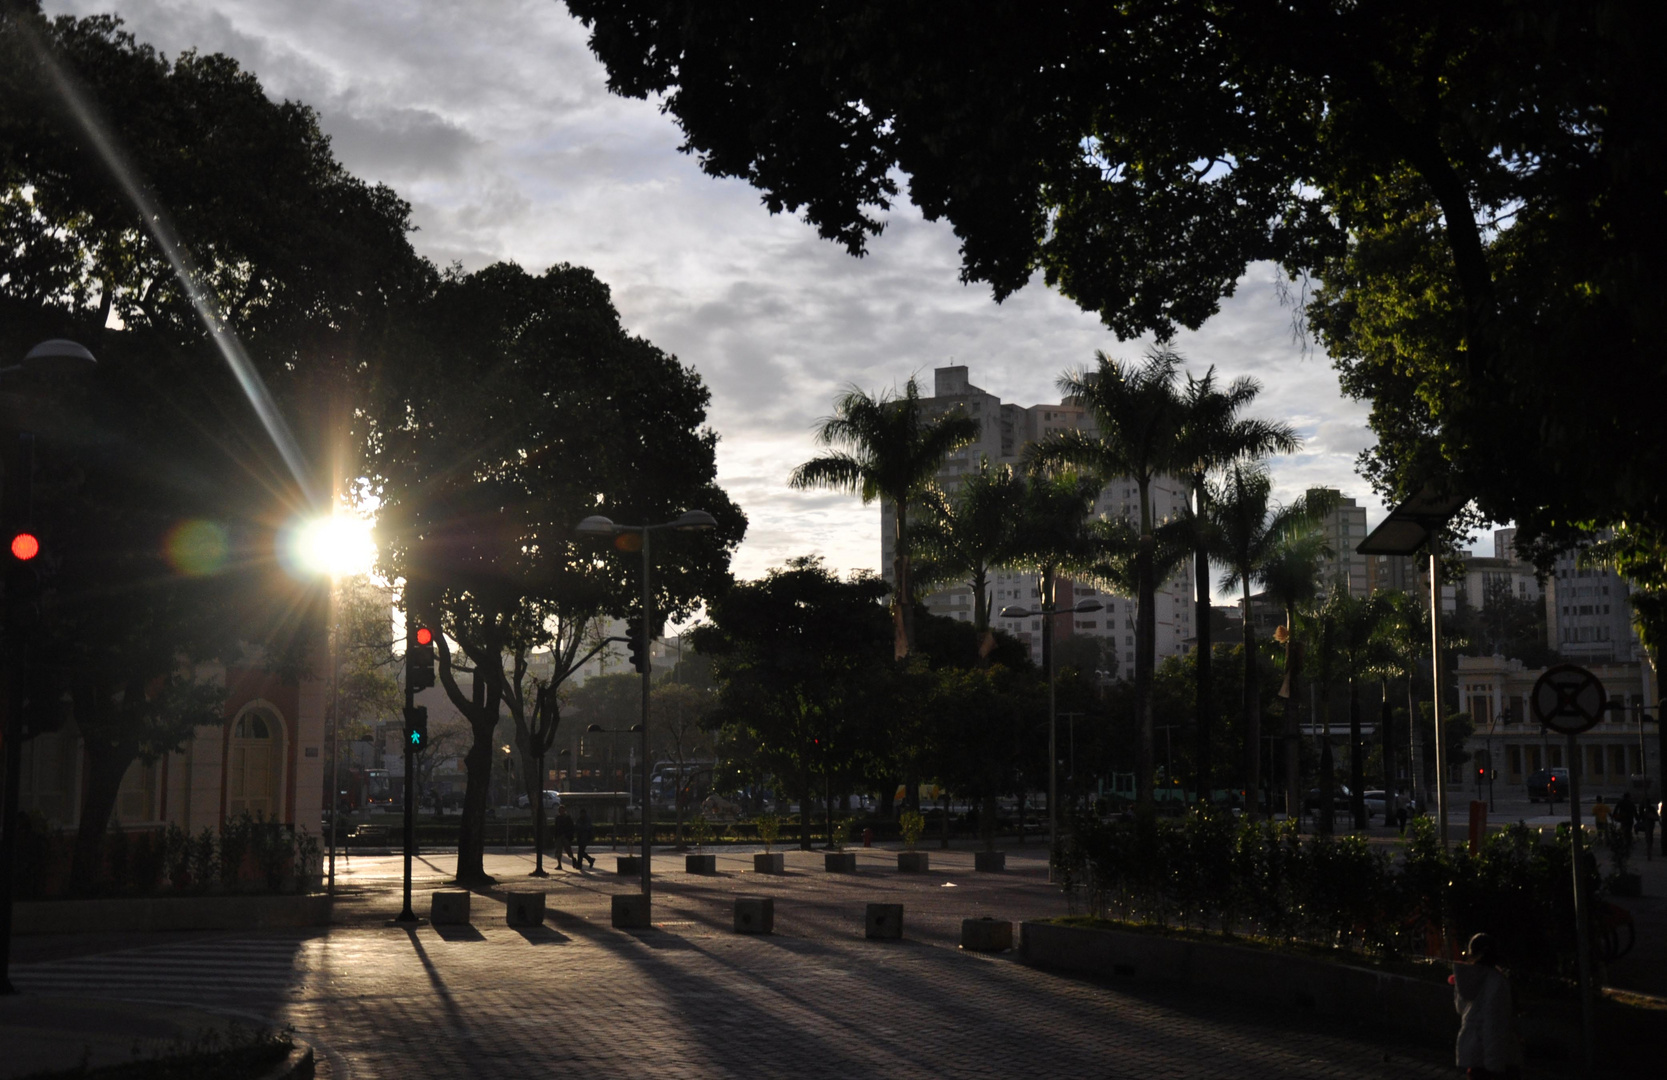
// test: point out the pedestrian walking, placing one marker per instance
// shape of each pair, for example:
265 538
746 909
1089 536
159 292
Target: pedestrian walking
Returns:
586 833
1487 1046
564 837
1600 816
1648 816
1403 805
1625 814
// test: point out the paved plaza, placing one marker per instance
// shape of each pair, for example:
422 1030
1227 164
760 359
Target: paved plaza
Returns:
690 998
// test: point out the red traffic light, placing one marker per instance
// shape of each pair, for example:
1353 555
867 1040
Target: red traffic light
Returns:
25 546
425 636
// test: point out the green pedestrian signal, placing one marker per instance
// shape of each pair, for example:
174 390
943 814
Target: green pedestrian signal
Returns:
416 726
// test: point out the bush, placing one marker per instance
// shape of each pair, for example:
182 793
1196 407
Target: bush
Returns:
1207 871
913 826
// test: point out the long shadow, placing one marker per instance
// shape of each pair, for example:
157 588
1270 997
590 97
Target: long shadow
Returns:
542 935
465 932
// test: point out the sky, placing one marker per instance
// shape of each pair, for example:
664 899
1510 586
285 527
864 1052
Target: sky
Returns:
493 120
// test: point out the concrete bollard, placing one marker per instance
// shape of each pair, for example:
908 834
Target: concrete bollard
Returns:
913 862
839 862
631 912
628 865
449 907
700 864
986 935
989 862
884 921
769 862
524 908
755 915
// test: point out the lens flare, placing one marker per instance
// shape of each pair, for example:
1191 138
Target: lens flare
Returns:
197 548
339 545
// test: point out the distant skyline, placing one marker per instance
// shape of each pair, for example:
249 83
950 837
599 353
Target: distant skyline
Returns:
493 120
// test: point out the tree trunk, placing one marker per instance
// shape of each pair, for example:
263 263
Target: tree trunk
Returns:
1252 716
903 601
1357 762
1386 733
1202 719
105 768
987 822
1145 657
471 827
805 799
888 800
1328 769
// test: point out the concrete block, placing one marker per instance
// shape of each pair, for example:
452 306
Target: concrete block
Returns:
912 862
884 921
524 908
989 862
755 915
700 864
986 935
769 862
628 866
449 907
839 862
631 912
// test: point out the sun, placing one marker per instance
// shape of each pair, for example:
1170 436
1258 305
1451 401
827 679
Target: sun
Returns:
339 545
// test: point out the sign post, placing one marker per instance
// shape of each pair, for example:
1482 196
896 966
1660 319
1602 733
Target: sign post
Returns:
1570 700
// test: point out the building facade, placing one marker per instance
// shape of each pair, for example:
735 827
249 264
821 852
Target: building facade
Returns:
1004 432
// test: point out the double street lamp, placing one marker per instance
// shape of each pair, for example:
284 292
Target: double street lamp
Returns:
1049 612
597 525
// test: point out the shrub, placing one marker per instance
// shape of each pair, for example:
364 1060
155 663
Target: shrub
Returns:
913 826
769 827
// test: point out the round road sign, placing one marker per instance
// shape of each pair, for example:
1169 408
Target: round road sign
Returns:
1568 699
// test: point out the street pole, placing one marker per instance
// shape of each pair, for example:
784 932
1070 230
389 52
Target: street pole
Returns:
647 668
1583 944
1435 694
1049 609
406 915
17 497
335 721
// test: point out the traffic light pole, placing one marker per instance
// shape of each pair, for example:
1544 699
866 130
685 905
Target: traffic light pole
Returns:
15 502
647 668
406 915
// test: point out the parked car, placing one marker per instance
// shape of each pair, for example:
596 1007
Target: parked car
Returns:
1340 800
552 801
1548 784
1376 802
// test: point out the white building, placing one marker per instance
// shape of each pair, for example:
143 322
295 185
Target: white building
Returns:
1005 431
1588 614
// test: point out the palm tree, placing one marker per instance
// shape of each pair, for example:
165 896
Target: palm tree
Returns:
1403 640
888 448
966 535
1252 531
1290 578
1213 436
1137 415
1356 622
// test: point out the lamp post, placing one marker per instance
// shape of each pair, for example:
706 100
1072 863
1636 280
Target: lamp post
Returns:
1049 611
55 357
597 525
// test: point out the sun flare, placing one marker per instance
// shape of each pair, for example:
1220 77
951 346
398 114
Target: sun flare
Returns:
339 545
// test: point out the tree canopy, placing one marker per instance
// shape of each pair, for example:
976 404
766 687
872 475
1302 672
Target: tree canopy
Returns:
1475 190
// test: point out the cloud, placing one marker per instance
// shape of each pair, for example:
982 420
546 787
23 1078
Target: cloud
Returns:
494 121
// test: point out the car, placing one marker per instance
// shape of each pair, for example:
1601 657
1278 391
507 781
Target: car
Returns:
1548 784
1376 801
1339 800
552 801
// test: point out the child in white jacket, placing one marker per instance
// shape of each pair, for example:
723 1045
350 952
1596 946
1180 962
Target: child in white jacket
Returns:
1487 1045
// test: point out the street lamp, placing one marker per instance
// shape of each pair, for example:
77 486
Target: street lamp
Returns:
1049 611
49 358
597 525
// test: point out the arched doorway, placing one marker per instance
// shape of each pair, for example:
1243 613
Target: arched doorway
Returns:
254 764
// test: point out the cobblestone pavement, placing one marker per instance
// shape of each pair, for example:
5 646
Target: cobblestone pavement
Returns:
689 998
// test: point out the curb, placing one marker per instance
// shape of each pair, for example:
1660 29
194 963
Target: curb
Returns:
298 1066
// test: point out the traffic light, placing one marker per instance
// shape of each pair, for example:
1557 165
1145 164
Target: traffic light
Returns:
416 727
25 546
639 655
419 659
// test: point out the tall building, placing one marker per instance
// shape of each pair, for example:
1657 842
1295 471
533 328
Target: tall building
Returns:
1344 528
1588 613
1004 432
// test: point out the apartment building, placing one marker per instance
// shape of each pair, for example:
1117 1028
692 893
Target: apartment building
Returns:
1343 528
1004 431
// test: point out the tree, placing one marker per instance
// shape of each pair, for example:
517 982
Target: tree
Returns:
680 713
1138 417
1252 530
1213 436
1403 650
522 407
887 448
966 534
1356 621
801 661
1477 190
978 715
1290 577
